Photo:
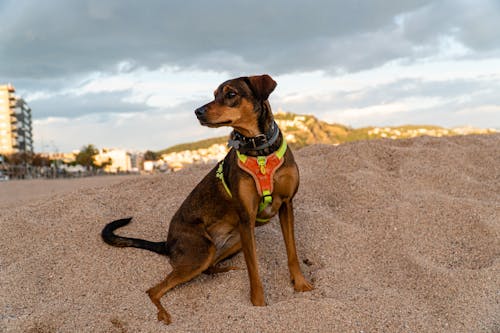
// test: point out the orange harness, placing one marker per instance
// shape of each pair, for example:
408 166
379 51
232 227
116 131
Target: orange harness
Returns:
262 170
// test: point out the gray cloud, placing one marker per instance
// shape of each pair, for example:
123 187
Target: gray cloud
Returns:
73 106
473 23
59 38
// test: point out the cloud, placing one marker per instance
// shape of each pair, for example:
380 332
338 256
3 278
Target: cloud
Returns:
71 106
136 90
136 131
401 96
278 36
473 24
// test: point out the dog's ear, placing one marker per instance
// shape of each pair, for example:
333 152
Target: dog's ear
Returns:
262 86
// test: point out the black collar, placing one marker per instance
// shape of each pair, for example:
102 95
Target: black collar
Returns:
257 145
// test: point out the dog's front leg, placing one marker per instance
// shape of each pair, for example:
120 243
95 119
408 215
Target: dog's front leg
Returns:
286 221
247 234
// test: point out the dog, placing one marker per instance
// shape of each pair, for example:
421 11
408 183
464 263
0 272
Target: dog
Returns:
257 179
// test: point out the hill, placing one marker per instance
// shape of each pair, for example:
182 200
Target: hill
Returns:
305 130
202 144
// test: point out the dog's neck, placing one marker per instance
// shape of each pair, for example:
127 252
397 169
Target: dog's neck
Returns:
261 145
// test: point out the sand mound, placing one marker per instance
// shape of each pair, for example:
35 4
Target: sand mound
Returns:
398 235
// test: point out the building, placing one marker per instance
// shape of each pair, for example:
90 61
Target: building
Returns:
212 154
64 157
137 161
16 132
114 160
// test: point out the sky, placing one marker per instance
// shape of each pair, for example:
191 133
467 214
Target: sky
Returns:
129 74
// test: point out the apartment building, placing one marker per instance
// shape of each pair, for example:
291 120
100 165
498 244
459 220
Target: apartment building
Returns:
16 132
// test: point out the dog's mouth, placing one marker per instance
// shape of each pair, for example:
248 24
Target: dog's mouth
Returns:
216 124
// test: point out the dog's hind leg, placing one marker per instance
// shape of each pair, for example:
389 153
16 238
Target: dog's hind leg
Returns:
186 266
231 249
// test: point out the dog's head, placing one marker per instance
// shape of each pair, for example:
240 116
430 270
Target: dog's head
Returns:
240 103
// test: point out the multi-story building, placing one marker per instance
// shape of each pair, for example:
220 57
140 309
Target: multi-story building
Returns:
15 123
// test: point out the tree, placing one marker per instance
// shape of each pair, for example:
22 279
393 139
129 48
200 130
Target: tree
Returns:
150 156
40 161
21 158
86 156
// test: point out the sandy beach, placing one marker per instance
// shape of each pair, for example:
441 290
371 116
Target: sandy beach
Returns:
396 236
19 192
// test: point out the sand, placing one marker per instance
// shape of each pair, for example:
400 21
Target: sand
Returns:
397 236
19 192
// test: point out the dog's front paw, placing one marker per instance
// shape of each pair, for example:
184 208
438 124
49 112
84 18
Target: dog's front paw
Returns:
259 303
258 300
302 285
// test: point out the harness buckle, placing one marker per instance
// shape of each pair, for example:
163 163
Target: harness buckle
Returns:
261 161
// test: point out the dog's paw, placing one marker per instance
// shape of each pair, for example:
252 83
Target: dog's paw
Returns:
258 300
302 285
216 269
164 317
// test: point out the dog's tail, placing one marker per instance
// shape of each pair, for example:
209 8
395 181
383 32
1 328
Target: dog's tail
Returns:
110 238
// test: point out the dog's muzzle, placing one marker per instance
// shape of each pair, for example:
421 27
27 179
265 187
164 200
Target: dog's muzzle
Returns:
200 113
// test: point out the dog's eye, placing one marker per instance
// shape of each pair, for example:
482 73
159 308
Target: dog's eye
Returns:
230 94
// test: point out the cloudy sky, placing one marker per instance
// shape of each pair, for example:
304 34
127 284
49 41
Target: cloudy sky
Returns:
128 74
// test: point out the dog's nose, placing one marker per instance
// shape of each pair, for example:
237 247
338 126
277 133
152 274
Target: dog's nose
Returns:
200 111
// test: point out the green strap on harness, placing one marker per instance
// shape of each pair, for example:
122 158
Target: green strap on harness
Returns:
220 174
282 149
266 201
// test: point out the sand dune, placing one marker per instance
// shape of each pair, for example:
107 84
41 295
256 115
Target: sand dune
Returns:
398 236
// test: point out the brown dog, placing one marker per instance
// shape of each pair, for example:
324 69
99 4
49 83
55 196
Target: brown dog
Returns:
218 217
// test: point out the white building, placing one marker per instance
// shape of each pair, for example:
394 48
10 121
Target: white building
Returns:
115 160
15 122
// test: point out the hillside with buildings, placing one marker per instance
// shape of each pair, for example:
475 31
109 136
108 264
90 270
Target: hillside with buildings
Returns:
300 131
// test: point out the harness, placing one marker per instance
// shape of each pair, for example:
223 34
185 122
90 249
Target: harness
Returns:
262 170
